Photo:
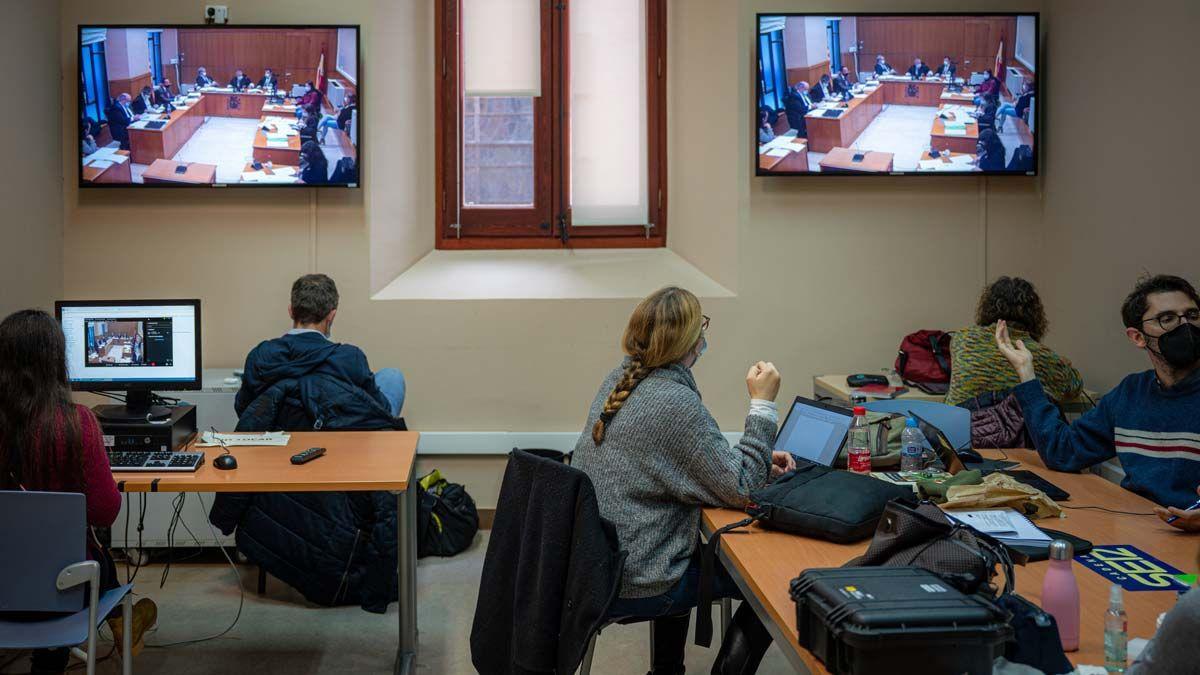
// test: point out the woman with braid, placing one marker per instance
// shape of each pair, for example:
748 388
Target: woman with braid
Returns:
656 457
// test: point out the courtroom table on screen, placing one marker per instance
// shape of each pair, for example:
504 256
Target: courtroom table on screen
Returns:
147 145
946 160
796 159
271 171
164 171
284 156
941 139
826 133
249 104
114 173
841 160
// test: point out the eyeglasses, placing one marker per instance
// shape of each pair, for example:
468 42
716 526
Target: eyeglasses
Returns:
704 323
1169 321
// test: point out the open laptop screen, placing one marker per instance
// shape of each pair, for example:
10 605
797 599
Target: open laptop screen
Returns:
814 431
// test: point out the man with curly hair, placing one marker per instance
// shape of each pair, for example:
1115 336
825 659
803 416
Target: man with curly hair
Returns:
1150 421
978 367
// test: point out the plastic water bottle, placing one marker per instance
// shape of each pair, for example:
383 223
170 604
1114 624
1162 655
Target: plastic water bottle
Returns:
1116 632
912 447
1060 594
858 445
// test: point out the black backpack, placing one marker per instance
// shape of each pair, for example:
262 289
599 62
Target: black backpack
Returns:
446 517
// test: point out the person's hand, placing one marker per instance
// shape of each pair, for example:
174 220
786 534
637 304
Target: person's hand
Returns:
763 381
1188 521
781 463
1016 352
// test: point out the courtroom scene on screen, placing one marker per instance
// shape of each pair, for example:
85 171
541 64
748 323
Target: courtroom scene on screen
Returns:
896 94
115 343
202 106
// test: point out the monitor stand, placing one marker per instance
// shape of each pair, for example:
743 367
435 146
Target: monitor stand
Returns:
137 408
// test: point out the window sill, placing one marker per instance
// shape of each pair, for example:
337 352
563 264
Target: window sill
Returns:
548 275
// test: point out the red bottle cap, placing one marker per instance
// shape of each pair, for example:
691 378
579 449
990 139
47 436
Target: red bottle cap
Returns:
859 410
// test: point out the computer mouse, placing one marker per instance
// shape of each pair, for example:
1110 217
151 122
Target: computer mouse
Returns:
232 380
225 462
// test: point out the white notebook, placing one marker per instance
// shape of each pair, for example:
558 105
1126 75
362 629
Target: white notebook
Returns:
1007 525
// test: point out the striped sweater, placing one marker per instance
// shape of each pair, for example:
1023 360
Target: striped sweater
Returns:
1154 431
978 367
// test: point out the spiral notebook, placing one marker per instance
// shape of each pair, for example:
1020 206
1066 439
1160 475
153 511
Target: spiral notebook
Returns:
1006 525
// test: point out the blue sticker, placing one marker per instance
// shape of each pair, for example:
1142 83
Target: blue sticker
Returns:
1132 568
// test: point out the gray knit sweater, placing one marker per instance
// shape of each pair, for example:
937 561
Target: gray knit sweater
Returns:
662 459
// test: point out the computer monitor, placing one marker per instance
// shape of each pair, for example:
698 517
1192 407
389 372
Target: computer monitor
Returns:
133 346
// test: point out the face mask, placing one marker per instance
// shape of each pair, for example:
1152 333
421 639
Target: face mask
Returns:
1180 347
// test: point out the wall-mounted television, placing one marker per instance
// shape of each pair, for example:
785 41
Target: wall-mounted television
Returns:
896 94
219 106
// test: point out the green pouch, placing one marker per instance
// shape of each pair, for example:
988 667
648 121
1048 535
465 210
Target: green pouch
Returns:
935 489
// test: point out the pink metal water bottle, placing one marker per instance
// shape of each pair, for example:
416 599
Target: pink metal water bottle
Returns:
1060 594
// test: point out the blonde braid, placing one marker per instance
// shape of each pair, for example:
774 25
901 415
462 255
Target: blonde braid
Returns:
634 373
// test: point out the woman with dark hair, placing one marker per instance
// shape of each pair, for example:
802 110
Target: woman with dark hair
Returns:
314 168
87 142
50 444
989 149
766 133
310 102
977 366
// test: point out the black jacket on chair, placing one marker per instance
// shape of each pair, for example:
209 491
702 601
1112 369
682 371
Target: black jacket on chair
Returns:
336 548
553 568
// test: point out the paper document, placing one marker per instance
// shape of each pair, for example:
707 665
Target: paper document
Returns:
284 171
930 164
1006 525
962 160
140 124
779 152
252 176
273 438
271 143
101 164
956 131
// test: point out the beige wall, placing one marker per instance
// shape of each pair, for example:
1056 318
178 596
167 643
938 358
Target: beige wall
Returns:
31 187
790 248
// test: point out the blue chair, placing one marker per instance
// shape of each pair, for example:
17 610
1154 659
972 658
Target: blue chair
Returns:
954 421
47 570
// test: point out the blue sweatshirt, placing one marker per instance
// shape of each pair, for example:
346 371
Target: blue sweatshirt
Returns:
1155 431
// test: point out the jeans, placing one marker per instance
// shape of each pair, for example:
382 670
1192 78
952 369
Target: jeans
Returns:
327 122
1005 111
680 598
391 382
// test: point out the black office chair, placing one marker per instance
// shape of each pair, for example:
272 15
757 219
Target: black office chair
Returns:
586 668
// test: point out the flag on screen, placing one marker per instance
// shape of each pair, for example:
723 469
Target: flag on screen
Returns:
998 71
320 82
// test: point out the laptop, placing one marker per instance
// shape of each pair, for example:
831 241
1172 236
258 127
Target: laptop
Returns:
814 431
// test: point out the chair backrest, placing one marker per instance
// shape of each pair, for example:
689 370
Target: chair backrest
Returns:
186 88
864 77
955 422
43 532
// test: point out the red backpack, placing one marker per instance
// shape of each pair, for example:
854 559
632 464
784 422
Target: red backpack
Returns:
924 359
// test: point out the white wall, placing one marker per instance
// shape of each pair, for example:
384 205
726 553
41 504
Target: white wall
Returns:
1026 42
31 246
347 55
816 39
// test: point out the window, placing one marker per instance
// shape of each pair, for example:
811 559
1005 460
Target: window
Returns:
154 47
772 70
834 40
551 129
93 80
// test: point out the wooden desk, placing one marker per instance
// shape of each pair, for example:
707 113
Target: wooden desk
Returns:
276 109
960 98
764 562
147 145
270 171
827 133
795 161
248 104
163 171
965 168
907 91
354 461
116 173
289 156
966 143
841 160
835 387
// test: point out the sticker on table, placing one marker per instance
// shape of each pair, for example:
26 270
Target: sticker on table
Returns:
1132 568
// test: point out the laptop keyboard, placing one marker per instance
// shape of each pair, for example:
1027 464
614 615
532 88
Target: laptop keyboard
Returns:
144 460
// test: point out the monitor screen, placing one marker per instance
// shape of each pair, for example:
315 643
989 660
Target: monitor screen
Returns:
813 431
132 344
896 94
219 106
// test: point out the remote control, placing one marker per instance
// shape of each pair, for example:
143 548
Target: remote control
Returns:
307 456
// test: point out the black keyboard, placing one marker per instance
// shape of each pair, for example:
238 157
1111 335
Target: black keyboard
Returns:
144 460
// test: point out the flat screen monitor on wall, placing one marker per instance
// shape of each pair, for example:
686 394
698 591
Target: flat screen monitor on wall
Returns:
907 94
219 106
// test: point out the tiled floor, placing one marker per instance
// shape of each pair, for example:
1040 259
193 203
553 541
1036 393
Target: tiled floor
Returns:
903 130
228 143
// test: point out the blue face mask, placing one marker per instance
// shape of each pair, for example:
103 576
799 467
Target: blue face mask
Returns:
703 346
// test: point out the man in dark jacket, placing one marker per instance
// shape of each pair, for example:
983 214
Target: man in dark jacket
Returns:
797 103
306 354
120 115
336 547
